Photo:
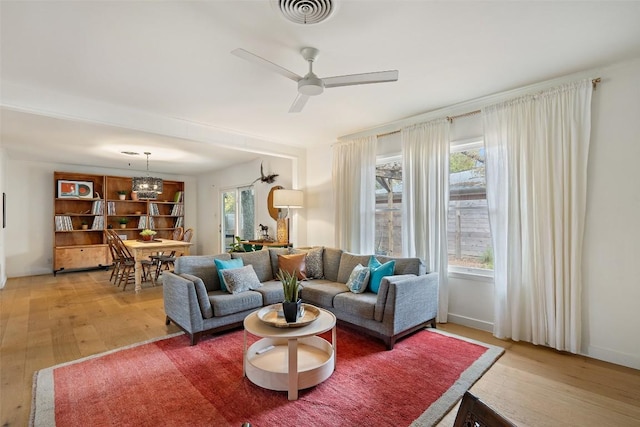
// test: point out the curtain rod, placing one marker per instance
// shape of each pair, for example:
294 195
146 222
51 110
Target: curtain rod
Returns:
450 119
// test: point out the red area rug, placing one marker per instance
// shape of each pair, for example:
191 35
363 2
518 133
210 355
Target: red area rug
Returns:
169 383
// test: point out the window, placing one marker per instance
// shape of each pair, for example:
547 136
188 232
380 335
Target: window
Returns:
389 206
468 231
238 215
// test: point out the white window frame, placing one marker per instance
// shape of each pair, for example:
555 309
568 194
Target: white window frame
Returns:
478 274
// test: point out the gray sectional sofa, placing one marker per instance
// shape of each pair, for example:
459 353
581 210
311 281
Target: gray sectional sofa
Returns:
405 302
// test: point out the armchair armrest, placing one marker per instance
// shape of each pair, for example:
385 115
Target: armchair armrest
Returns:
181 302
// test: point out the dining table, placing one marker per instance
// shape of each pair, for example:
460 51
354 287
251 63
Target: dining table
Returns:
142 249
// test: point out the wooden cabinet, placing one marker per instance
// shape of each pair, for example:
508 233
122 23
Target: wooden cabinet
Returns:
85 205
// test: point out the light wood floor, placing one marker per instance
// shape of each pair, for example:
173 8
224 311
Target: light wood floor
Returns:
46 320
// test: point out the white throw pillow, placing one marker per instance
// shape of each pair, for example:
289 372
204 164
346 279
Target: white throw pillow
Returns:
358 279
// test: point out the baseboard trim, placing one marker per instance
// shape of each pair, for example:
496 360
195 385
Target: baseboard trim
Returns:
470 322
612 356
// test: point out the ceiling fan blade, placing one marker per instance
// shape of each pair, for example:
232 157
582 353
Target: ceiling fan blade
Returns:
241 53
299 103
361 79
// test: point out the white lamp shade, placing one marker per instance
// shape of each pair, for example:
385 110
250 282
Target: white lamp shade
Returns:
287 199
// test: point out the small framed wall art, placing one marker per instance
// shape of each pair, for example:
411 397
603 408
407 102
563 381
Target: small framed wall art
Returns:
75 189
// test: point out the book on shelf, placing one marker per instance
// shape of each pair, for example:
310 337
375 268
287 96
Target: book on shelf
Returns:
111 208
177 210
145 222
177 198
98 222
98 206
63 223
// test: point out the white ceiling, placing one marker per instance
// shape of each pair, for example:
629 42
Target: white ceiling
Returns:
171 60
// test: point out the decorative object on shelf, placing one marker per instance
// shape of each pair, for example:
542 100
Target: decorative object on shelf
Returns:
123 222
134 195
147 187
264 232
147 234
122 194
75 189
290 199
291 304
268 179
84 225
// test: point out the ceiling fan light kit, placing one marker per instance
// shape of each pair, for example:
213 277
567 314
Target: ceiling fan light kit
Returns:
305 12
312 85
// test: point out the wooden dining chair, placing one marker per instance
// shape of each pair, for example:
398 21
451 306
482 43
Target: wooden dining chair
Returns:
473 412
126 263
167 262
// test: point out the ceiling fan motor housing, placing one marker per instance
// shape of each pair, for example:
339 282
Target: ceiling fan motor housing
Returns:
311 85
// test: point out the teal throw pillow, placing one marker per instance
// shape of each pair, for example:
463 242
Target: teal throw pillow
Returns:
227 265
358 279
378 271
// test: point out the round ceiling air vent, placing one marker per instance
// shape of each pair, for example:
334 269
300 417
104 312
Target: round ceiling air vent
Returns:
305 12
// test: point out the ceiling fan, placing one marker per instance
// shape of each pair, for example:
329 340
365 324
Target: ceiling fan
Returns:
310 84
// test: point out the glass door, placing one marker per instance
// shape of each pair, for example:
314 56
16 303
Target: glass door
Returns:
238 215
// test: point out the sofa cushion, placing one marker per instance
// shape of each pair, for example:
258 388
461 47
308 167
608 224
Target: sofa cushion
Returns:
222 265
331 263
405 265
260 261
359 279
224 303
293 263
273 256
201 292
202 266
360 305
271 292
347 262
378 271
313 261
321 292
241 279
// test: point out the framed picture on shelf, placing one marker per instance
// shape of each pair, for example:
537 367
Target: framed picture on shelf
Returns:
75 189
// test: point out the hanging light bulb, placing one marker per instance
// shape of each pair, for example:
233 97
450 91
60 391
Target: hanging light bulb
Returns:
145 186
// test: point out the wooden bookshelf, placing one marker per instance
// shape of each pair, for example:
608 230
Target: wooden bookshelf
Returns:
94 201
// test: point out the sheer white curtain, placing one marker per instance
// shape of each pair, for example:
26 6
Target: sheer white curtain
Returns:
425 196
354 186
537 149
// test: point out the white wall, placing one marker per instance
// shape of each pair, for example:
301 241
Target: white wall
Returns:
3 270
612 235
30 191
211 185
611 290
319 198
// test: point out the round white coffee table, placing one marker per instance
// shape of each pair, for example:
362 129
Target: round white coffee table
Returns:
289 359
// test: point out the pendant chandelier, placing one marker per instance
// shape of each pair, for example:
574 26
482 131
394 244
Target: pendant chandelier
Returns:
145 186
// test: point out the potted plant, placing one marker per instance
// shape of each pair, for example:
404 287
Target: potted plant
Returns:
123 222
291 303
122 194
147 234
237 246
84 224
